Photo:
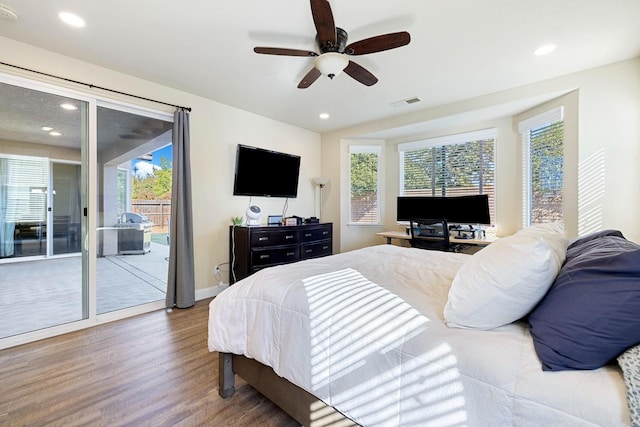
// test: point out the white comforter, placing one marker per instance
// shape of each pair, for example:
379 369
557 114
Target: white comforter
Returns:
363 331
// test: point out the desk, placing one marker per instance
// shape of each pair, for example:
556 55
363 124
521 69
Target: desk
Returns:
402 235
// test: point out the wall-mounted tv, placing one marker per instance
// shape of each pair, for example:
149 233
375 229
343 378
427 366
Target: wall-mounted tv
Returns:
267 173
456 210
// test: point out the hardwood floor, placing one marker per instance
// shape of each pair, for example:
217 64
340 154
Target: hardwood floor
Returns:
149 370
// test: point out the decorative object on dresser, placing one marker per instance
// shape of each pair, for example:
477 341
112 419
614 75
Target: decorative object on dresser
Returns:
253 215
257 247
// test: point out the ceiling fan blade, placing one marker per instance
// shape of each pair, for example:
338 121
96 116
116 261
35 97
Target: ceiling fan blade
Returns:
283 51
309 78
323 20
378 43
360 74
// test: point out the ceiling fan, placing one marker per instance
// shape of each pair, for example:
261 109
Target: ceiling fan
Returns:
332 43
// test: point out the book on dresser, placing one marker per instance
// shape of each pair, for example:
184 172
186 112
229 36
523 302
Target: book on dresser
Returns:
252 248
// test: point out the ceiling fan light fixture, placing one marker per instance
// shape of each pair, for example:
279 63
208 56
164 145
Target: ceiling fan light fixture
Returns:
7 13
331 64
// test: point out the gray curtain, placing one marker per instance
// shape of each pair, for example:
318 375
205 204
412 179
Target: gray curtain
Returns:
181 282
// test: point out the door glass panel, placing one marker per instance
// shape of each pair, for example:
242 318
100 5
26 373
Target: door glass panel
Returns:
66 209
134 201
39 289
23 203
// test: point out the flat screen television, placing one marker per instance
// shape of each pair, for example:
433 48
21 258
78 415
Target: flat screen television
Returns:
456 210
267 173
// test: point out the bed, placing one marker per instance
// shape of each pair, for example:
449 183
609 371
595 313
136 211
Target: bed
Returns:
390 336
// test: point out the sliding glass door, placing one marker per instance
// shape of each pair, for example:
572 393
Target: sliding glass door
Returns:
134 201
85 199
43 175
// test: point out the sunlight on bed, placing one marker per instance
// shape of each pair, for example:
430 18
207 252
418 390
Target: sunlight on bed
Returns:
359 332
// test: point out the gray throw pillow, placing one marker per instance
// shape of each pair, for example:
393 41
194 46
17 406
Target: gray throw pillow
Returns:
629 362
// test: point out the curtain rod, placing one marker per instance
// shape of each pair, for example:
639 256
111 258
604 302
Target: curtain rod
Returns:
96 87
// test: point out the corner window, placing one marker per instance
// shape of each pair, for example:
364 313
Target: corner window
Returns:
453 165
543 160
364 183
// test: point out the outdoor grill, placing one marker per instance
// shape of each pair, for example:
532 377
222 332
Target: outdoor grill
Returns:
134 234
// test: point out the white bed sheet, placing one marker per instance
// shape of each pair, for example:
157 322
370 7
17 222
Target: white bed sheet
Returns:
363 331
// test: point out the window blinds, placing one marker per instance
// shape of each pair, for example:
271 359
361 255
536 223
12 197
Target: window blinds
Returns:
24 182
461 164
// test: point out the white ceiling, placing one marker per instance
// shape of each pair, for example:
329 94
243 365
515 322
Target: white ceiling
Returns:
459 48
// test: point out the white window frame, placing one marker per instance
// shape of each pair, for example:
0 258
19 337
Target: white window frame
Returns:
367 149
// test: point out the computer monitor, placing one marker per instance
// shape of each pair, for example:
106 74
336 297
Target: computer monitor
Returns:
456 210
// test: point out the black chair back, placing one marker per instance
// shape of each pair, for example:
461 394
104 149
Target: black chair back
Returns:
430 234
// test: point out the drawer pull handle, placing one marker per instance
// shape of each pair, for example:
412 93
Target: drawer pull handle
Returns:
262 238
309 250
291 253
325 232
307 235
325 247
264 256
289 237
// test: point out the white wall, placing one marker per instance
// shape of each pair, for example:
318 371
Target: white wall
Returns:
216 129
604 152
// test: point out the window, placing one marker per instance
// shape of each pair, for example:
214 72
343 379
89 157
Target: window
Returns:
542 139
454 165
364 181
24 186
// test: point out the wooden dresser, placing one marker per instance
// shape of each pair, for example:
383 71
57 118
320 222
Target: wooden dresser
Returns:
252 248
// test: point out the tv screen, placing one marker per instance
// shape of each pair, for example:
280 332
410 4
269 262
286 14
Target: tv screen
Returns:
460 209
267 173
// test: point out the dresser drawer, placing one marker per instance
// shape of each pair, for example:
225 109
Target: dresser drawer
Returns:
313 234
315 250
252 248
284 255
274 238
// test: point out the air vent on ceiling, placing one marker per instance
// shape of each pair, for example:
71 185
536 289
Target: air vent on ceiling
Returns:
7 13
404 102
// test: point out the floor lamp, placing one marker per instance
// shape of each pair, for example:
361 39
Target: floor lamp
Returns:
320 181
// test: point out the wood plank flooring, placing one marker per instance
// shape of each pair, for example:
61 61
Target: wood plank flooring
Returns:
149 370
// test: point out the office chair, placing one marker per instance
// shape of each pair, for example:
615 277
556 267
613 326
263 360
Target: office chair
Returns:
430 234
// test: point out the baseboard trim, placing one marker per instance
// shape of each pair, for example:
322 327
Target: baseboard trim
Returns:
210 292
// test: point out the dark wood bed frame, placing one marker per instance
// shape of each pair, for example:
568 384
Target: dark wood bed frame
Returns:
301 405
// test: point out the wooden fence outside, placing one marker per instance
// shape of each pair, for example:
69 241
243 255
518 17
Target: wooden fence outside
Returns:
158 212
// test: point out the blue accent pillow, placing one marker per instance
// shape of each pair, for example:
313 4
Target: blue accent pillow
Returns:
591 313
580 241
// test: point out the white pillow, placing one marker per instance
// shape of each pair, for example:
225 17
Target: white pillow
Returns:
504 281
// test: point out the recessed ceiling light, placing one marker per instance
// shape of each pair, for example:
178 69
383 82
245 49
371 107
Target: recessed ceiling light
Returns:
543 50
72 19
54 133
324 116
68 106
46 128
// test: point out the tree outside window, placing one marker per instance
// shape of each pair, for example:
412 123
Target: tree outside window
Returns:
448 166
546 173
364 173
